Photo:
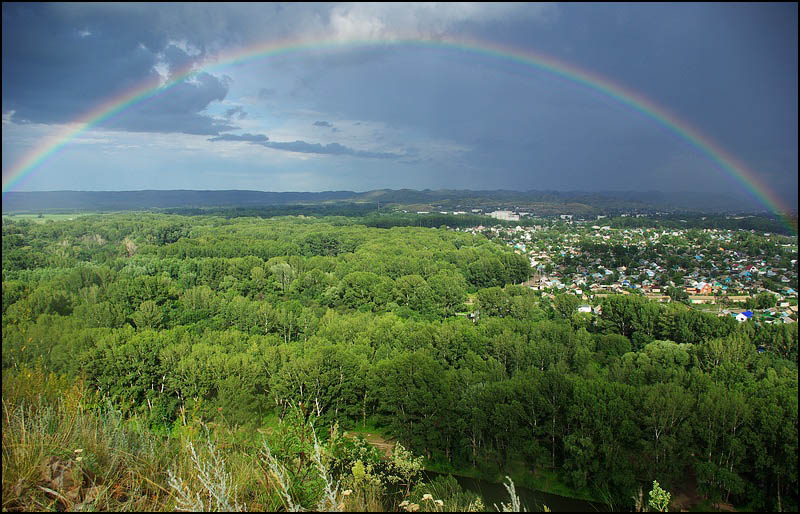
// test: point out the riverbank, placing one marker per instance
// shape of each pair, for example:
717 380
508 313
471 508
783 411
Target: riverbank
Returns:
542 481
544 486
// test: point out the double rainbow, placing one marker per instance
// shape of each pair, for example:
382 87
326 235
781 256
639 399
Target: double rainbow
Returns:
724 160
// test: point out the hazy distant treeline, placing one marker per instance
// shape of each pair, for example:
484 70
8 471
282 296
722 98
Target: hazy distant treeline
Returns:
550 202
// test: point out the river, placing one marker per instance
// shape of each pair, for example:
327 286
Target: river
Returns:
531 500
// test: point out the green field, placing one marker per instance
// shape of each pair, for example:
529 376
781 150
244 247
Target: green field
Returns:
42 218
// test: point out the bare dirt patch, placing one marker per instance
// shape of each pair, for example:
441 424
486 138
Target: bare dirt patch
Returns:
386 446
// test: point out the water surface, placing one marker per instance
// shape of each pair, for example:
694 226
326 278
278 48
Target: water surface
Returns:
531 499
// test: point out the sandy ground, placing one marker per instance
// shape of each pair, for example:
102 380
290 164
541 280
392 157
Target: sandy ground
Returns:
384 445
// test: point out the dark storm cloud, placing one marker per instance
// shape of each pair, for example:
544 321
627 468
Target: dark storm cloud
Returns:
329 149
177 59
728 70
178 109
550 131
252 138
304 147
60 61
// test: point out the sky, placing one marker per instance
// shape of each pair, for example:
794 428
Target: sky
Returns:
359 108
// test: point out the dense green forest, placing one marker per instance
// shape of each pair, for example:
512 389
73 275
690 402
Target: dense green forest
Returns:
341 320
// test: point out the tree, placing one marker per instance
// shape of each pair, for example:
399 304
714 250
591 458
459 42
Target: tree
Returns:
765 300
413 292
148 315
566 305
659 498
678 294
284 274
494 301
408 391
449 291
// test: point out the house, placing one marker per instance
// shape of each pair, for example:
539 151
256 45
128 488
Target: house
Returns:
584 308
703 288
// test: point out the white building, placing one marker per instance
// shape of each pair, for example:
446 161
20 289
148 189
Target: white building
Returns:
504 215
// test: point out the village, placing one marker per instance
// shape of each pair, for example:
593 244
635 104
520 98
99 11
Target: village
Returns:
747 275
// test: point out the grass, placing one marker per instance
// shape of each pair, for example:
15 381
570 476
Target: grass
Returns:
548 482
93 459
42 218
370 426
543 480
65 448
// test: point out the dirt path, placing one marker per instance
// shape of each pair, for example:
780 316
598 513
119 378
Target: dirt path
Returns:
386 446
686 496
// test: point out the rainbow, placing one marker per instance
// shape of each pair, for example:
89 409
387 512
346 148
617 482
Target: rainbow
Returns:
724 160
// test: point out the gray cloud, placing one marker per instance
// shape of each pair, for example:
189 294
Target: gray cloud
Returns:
323 124
304 147
176 58
239 110
178 109
55 74
329 149
252 138
728 71
62 60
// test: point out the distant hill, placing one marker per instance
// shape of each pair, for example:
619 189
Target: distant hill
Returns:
156 199
544 202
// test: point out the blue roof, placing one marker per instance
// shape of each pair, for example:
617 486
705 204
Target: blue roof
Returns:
749 314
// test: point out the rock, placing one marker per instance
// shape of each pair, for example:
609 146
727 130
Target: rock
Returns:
63 477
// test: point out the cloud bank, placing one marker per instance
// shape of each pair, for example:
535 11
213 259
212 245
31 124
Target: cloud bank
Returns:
305 147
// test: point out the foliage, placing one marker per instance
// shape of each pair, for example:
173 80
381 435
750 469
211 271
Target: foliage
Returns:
659 498
302 323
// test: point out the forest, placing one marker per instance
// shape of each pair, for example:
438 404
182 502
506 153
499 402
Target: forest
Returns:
421 332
